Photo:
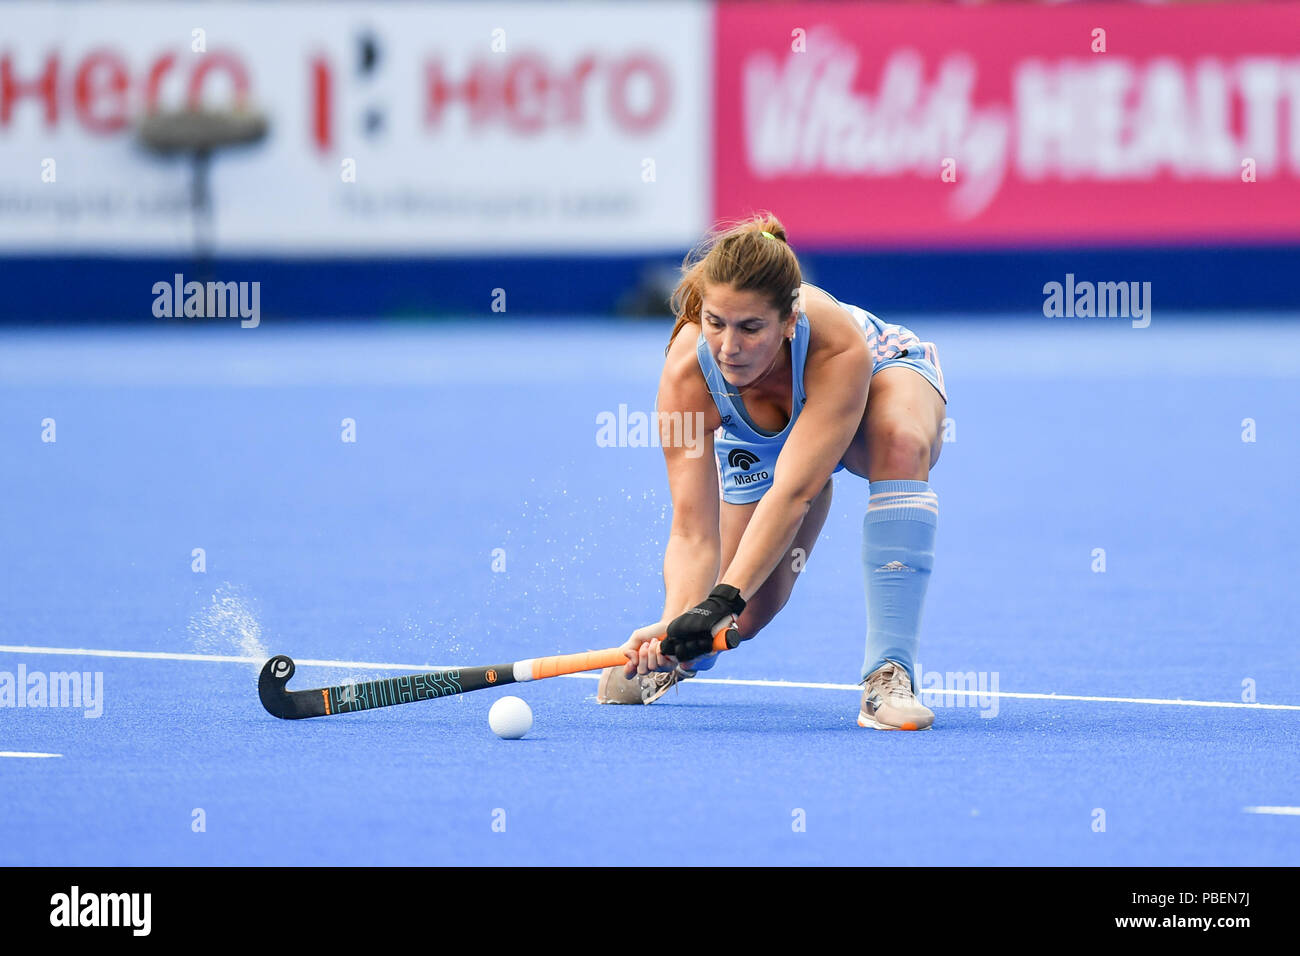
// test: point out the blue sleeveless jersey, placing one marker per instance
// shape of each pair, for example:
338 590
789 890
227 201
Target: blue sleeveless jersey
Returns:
746 453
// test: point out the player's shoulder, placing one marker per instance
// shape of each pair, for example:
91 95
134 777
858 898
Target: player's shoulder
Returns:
682 385
832 328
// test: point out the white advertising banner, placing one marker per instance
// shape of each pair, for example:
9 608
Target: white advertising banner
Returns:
393 128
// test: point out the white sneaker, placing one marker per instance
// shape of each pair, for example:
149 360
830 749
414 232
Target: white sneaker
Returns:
889 704
614 688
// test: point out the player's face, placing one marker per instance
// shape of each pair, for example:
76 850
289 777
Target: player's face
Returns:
744 332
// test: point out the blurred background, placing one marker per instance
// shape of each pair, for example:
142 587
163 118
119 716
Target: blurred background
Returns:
411 159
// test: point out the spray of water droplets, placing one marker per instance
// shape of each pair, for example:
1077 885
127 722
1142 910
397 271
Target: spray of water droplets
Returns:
228 624
583 570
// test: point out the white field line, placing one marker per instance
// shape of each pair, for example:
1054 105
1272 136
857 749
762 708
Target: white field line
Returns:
24 753
800 685
1277 811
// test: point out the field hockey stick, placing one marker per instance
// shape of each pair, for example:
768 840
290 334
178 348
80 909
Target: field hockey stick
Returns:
349 698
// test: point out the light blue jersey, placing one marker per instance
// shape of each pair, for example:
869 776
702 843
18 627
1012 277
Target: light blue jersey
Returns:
746 453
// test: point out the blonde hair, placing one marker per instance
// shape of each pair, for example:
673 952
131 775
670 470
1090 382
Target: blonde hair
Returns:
739 255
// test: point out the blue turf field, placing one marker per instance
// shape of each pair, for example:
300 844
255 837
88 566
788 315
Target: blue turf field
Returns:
1069 437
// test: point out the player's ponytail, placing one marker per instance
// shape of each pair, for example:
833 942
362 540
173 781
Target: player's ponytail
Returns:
752 255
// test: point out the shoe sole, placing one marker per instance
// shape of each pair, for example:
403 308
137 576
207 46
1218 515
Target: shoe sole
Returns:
865 721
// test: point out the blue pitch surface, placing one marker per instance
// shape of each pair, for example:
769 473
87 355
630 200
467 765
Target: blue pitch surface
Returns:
1070 436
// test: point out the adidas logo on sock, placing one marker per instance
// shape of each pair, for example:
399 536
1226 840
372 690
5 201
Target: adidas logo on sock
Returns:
895 566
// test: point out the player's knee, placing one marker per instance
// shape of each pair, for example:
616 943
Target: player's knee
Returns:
899 446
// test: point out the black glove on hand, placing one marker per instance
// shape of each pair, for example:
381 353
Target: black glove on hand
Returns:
690 635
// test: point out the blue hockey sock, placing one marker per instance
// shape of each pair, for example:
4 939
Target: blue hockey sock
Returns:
897 555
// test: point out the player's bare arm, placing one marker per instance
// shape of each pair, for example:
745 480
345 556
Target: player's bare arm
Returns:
693 552
837 377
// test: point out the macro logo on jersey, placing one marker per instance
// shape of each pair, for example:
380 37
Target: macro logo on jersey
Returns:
401 690
745 461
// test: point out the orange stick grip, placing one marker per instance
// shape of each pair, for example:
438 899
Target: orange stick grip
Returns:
598 660
576 663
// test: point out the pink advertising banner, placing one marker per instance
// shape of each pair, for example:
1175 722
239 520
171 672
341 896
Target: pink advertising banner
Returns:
921 125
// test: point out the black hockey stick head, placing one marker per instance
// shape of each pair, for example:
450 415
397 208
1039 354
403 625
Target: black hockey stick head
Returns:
281 702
